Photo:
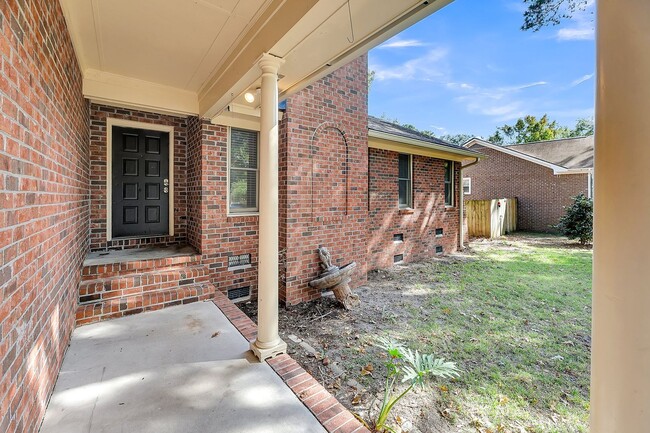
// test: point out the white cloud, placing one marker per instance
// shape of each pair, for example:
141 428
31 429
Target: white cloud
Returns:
582 27
501 103
440 129
426 67
575 34
402 43
581 80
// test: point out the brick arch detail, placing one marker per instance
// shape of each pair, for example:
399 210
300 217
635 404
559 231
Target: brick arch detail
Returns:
324 127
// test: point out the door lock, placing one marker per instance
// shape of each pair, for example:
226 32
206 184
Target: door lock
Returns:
166 182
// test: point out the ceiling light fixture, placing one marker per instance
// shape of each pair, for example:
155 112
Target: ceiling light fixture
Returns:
249 97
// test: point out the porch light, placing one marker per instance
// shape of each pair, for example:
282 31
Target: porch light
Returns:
249 97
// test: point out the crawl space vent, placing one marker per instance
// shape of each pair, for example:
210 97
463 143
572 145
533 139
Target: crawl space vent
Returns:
398 258
239 260
438 233
439 249
240 294
398 237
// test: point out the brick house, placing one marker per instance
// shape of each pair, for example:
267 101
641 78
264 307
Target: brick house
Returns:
543 176
123 190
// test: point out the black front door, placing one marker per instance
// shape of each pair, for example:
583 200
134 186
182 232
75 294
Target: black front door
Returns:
140 182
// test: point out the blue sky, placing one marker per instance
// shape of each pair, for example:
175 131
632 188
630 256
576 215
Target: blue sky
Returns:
468 68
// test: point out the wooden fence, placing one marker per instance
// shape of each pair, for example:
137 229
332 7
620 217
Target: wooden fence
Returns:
491 218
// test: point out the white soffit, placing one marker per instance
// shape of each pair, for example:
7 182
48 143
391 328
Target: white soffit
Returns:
197 56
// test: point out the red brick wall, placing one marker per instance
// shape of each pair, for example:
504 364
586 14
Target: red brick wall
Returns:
324 202
211 230
43 204
541 195
98 153
418 225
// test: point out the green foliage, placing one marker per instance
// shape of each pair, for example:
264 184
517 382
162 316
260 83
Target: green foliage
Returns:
456 138
541 13
371 78
529 129
414 367
526 130
584 126
578 222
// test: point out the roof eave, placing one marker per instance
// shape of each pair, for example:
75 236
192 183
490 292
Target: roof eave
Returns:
556 168
421 144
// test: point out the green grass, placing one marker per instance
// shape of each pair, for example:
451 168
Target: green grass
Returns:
516 318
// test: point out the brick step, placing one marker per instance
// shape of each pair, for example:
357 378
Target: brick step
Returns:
94 272
133 282
134 303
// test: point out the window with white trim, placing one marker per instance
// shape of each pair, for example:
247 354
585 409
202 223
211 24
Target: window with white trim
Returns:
449 183
405 181
467 185
243 171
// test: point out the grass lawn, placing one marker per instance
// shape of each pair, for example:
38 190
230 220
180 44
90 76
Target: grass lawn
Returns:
517 320
514 314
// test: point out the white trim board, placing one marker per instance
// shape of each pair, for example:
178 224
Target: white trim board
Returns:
110 122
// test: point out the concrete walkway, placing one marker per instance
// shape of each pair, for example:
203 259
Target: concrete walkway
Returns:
181 369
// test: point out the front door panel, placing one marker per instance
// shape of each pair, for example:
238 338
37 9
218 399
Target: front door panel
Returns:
140 195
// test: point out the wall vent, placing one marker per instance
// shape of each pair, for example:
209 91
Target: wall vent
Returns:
438 233
240 294
439 249
398 258
239 260
398 237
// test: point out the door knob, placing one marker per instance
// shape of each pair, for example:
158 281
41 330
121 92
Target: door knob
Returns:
166 182
165 190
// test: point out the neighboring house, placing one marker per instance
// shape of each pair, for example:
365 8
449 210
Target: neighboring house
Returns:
543 176
134 125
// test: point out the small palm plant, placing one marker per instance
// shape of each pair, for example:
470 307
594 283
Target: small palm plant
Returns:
414 367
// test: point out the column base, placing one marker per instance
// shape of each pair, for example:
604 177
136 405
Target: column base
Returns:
268 352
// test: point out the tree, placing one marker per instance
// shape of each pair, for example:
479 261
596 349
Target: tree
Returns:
456 138
583 127
371 78
541 13
528 129
578 222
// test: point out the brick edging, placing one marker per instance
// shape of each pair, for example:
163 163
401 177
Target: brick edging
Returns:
326 408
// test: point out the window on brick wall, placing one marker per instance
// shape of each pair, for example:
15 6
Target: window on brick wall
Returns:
243 171
449 183
405 181
467 185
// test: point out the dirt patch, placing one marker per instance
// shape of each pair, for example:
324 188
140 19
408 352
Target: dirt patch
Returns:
335 345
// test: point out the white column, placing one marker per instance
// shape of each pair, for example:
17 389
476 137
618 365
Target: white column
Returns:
268 343
620 370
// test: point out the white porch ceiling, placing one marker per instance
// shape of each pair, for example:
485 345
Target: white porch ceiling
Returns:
197 56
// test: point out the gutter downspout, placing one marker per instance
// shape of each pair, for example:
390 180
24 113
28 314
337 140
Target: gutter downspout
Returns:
461 218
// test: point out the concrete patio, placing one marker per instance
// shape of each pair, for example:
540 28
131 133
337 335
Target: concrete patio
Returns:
181 369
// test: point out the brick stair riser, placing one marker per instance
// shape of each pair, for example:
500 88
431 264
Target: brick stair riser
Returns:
94 290
94 272
147 301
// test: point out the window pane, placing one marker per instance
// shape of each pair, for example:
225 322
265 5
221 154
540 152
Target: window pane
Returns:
404 193
448 195
243 190
404 167
243 148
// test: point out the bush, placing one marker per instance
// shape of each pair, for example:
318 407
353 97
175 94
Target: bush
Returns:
578 222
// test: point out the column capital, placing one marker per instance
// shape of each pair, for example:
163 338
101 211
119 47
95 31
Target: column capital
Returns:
269 63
